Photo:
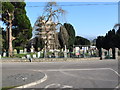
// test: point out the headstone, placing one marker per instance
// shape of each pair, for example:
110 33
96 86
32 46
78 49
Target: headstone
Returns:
38 49
110 52
62 50
27 56
87 48
56 54
65 54
38 54
21 51
23 57
32 49
65 49
77 51
103 53
34 56
25 51
116 53
84 49
92 52
89 53
4 54
15 51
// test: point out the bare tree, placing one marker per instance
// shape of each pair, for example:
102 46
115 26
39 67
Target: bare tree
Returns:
52 13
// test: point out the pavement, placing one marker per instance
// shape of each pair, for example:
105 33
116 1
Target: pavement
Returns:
73 75
19 77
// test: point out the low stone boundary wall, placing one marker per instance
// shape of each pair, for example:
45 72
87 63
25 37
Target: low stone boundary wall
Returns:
48 59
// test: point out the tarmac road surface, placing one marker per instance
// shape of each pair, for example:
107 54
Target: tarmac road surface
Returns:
79 74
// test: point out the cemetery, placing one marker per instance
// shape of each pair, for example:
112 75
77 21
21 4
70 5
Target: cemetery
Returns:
79 53
52 38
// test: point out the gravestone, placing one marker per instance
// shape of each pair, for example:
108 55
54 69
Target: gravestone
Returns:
15 51
23 58
65 49
34 56
0 56
28 56
110 52
25 51
103 53
32 49
4 54
65 54
38 54
21 51
56 54
116 53
77 51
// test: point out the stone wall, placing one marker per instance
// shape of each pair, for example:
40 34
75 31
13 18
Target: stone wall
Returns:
48 59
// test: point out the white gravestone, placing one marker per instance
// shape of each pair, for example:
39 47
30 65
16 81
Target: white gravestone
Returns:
116 53
28 56
4 54
32 49
38 54
15 51
0 56
34 56
25 51
21 51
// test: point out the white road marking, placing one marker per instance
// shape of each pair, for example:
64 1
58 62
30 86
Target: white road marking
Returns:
34 83
58 85
61 70
80 70
66 86
54 84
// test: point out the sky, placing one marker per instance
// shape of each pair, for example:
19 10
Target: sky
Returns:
87 20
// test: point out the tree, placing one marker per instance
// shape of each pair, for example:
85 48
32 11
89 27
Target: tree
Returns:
81 41
52 13
111 36
63 37
99 44
117 38
71 33
18 24
39 43
7 18
22 29
1 40
4 41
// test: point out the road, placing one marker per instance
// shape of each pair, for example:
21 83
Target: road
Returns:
79 74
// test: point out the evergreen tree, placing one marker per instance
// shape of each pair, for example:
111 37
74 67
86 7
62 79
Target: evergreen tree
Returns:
71 32
99 44
39 43
18 25
7 18
117 37
22 29
63 37
81 41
